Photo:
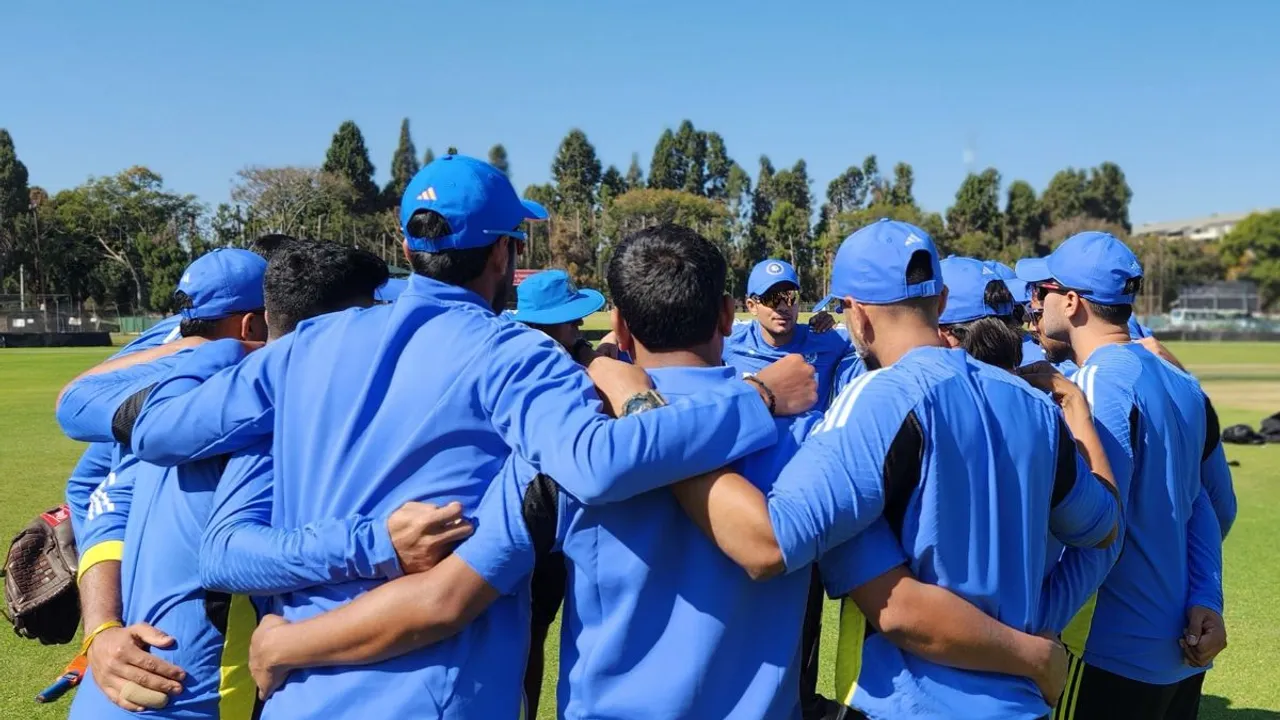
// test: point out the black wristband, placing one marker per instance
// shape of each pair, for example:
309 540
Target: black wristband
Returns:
576 351
773 400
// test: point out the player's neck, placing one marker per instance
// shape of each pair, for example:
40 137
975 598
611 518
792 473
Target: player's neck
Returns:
889 350
701 356
1086 340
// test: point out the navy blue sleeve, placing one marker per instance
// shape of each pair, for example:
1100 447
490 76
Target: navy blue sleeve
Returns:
545 407
516 522
211 403
1204 556
850 565
241 552
834 487
88 407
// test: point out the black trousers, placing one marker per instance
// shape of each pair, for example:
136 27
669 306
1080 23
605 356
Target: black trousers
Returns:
550 575
1102 696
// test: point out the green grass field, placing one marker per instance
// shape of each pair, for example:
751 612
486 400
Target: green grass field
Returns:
1243 379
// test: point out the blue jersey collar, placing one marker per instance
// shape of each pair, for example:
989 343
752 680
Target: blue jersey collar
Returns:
689 380
424 287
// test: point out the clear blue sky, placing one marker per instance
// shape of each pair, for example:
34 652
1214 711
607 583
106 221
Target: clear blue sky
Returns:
1185 96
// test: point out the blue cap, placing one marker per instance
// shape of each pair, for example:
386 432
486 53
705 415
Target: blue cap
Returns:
390 290
768 273
967 280
1018 288
223 282
474 196
871 265
551 298
1095 264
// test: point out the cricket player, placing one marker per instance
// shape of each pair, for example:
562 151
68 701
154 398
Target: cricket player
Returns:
659 623
979 313
135 602
425 399
924 443
551 303
209 629
773 299
1156 623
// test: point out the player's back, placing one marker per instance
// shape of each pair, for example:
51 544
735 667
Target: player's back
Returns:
659 623
381 406
1140 611
969 483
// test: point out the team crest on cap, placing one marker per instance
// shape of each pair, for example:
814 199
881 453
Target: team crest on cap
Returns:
773 268
913 240
428 194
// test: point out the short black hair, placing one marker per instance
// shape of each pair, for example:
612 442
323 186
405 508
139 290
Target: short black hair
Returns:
920 269
997 294
990 340
188 327
306 278
267 245
452 267
667 282
1111 314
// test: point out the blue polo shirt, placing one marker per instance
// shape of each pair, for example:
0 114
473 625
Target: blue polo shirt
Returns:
1160 437
658 622
747 351
973 470
423 400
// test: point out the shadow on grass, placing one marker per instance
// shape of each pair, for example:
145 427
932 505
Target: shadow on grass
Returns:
1213 707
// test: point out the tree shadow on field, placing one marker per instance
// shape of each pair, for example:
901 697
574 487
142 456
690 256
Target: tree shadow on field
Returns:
1213 707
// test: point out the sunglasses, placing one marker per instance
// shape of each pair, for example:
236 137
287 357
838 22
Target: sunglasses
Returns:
1043 289
778 298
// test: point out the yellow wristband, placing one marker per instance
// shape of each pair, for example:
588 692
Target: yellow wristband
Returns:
88 639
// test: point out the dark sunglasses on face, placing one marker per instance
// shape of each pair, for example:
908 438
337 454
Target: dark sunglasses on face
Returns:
1044 288
779 298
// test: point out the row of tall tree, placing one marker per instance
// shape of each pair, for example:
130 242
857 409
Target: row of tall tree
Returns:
121 241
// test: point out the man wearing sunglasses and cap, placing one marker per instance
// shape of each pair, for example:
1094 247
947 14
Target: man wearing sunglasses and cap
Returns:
773 299
425 399
1144 642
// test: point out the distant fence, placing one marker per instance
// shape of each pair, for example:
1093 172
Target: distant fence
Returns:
76 339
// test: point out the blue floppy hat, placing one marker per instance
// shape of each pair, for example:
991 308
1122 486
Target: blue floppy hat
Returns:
551 298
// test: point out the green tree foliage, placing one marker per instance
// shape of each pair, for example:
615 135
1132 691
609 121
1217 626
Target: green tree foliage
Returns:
792 186
692 146
847 192
1064 197
1252 252
875 185
428 157
498 158
451 150
900 193
1023 217
612 184
537 252
348 157
14 198
118 213
1170 264
291 200
1107 195
404 165
635 176
666 171
977 206
718 168
576 171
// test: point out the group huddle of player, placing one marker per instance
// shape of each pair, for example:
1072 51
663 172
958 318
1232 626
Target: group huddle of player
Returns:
343 494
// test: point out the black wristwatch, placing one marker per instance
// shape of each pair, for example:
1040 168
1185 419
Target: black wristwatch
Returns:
647 400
